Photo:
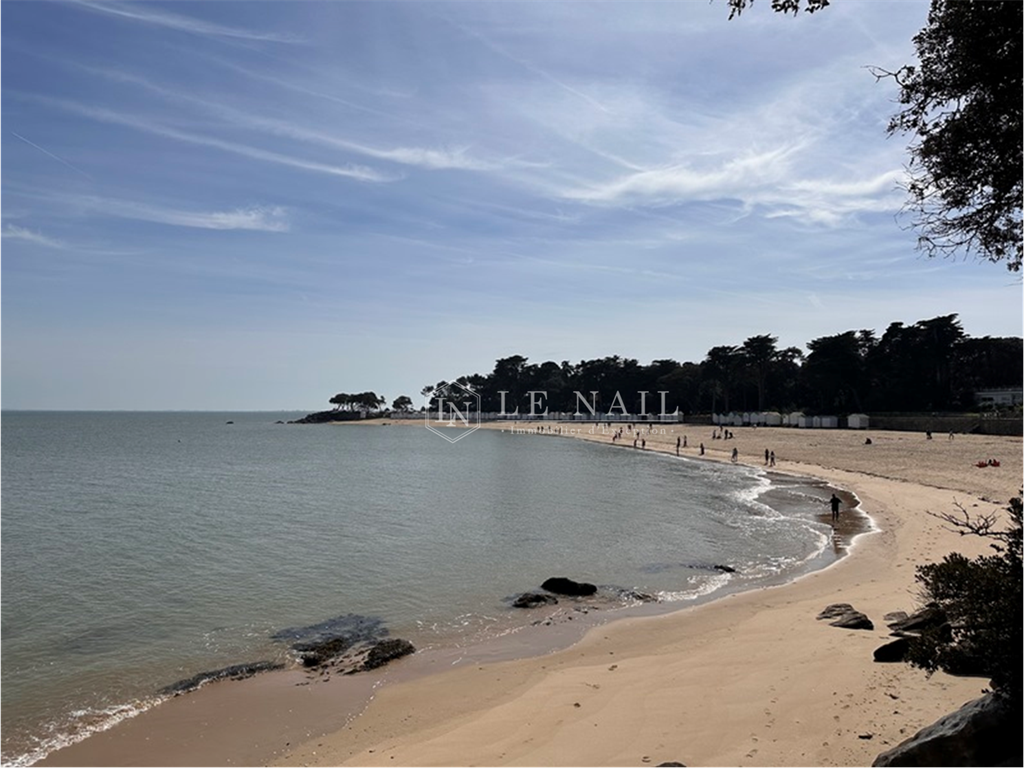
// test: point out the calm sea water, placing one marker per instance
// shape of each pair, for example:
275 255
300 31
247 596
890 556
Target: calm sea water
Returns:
142 548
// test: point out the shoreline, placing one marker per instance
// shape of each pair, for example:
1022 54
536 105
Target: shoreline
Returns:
750 679
184 727
402 680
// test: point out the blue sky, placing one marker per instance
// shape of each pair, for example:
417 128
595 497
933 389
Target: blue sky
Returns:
254 205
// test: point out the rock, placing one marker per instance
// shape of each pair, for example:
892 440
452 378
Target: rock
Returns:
671 764
835 610
563 586
724 568
846 617
929 617
316 652
386 651
894 651
894 616
852 620
234 672
533 599
982 732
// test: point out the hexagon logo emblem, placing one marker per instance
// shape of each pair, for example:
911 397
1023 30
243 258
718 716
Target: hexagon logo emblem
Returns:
452 411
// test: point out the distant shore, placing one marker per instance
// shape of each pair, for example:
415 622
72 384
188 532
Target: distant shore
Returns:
748 679
752 679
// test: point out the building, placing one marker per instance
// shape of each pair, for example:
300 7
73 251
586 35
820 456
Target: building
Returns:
1005 397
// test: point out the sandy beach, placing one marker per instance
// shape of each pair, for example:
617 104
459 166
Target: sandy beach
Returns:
751 679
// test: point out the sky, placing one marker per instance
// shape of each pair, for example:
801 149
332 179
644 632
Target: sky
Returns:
255 205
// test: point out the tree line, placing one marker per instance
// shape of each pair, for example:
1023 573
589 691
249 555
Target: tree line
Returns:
929 366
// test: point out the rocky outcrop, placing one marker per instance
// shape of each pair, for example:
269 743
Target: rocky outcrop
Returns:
928 618
982 732
845 616
325 417
563 586
234 672
533 599
317 652
387 651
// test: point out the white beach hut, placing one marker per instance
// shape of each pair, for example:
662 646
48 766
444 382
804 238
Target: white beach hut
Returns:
804 422
772 419
857 421
829 422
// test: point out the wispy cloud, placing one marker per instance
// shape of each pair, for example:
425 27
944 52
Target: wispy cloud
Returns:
530 67
14 232
731 177
51 154
258 218
457 158
147 14
352 171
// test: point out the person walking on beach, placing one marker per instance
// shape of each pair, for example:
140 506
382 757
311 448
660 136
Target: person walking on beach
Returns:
771 459
835 502
766 457
702 449
679 441
735 455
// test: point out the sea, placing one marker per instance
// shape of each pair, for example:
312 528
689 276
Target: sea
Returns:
142 548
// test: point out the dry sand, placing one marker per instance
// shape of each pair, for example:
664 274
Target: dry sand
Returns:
751 679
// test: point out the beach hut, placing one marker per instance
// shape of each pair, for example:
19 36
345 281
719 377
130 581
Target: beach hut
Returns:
804 422
772 419
857 421
816 422
829 422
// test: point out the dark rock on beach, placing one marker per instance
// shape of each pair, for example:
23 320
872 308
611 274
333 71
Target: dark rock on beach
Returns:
835 610
234 672
724 568
894 651
313 654
386 651
563 586
853 620
533 599
982 732
846 617
928 618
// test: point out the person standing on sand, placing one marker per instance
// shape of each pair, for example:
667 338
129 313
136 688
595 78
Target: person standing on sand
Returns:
735 455
766 457
835 502
679 441
702 449
771 459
